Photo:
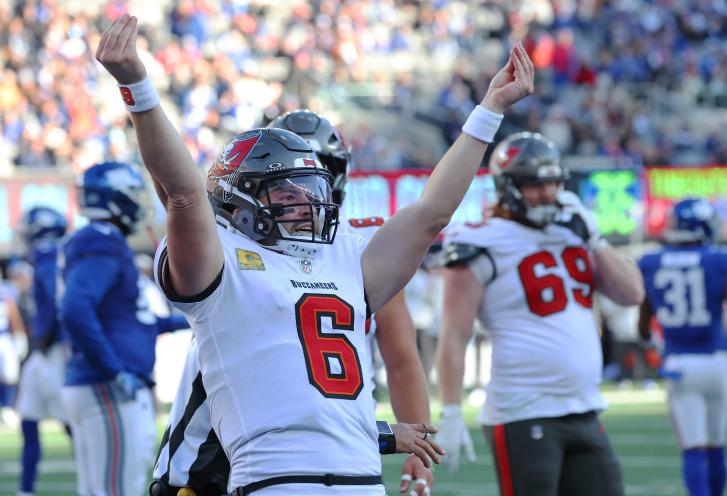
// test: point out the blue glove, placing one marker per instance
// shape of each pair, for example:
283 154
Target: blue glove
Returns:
127 384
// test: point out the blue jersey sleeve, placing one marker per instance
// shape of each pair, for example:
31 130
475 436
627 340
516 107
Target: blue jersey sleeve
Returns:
87 283
171 323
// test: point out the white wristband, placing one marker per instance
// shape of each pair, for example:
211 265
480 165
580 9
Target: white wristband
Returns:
482 124
139 97
451 410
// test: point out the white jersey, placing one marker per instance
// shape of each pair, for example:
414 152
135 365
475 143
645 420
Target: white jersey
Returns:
546 355
284 362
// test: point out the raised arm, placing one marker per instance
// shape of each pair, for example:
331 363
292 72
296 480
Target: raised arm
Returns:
394 253
194 252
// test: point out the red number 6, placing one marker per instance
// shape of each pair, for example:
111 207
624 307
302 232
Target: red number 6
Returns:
320 349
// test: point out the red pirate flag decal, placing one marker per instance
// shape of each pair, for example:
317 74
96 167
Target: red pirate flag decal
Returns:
235 153
512 152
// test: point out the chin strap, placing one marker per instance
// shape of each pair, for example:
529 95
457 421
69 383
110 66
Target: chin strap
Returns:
542 215
301 249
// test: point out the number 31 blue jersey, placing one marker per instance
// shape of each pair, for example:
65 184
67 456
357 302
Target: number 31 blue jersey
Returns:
685 286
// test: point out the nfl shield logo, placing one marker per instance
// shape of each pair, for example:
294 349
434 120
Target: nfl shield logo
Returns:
306 266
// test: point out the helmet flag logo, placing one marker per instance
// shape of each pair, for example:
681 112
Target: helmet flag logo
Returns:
511 154
234 155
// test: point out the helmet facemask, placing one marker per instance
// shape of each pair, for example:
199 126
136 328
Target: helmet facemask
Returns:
338 166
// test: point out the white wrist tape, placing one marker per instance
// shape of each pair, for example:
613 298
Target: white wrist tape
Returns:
482 124
139 97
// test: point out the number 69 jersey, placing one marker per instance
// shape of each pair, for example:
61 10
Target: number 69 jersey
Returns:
283 358
685 286
546 355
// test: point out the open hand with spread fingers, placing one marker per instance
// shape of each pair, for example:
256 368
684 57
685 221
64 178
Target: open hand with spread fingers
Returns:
417 439
512 83
117 51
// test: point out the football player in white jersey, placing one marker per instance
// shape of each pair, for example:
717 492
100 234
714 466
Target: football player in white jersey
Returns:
392 328
278 309
528 273
190 454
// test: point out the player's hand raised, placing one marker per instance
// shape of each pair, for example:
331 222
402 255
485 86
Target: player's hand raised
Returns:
117 51
417 439
415 477
514 82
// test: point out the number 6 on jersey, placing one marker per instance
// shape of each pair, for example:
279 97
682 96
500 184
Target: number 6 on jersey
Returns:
323 351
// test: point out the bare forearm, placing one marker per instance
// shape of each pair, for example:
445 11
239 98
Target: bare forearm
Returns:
618 277
450 367
396 250
409 394
165 155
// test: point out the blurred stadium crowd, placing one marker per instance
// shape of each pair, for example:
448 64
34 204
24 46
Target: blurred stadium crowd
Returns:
228 65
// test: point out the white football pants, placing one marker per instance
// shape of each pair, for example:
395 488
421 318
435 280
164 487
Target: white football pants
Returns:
113 440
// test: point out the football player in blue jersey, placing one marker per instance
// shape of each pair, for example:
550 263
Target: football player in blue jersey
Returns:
41 378
685 287
112 333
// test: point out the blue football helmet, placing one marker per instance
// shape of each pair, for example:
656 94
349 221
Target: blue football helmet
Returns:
112 191
40 224
693 220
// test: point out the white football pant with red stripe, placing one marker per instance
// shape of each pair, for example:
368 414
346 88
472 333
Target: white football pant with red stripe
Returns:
113 440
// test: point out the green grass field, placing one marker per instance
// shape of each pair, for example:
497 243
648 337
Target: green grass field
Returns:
636 421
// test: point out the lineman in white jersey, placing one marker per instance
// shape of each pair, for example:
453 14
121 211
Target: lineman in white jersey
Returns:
528 274
278 309
190 455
